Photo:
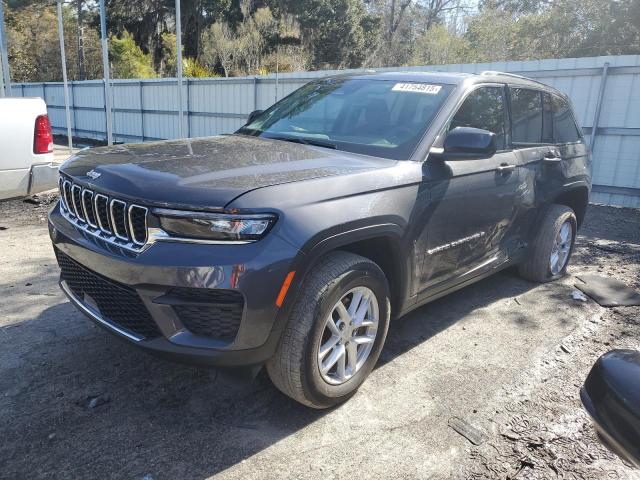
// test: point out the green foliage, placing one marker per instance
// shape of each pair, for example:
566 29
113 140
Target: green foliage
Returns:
34 48
193 69
334 31
168 55
250 37
438 46
218 46
127 58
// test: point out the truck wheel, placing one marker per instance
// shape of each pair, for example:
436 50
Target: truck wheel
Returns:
552 246
335 331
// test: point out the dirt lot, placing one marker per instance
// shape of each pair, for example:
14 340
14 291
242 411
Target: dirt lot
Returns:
504 355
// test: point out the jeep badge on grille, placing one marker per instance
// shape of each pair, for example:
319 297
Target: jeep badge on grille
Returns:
93 174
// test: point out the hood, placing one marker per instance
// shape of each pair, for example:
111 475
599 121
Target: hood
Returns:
207 172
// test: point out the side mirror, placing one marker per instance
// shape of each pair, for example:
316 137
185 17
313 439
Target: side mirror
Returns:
611 395
252 116
464 143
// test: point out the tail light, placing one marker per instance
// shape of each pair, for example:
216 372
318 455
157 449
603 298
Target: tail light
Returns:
43 138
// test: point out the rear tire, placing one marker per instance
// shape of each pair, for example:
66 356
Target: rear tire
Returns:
552 247
298 367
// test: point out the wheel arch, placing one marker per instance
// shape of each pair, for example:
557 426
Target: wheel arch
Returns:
381 244
576 198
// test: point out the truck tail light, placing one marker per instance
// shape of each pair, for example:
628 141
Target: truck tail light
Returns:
42 138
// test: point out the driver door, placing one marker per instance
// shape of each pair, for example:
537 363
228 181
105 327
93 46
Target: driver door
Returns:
472 202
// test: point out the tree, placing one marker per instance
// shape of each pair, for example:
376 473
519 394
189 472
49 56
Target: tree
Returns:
196 16
241 37
145 20
405 21
34 51
127 58
219 45
438 46
169 55
333 31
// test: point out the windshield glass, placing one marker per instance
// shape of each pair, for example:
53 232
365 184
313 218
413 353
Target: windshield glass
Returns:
383 118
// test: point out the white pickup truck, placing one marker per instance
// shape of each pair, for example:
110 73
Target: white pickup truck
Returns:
26 148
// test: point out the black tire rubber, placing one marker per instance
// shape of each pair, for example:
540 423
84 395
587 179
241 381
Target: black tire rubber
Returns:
293 369
536 267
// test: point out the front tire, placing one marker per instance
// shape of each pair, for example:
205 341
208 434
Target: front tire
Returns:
335 332
552 246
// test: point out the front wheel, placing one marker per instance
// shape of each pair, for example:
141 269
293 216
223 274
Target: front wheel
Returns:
335 332
552 246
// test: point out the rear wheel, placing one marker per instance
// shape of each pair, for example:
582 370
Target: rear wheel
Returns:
552 246
335 332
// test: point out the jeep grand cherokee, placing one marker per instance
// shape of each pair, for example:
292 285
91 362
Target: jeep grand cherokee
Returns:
292 242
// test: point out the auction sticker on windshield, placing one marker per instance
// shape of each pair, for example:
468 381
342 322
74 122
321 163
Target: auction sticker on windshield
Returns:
417 87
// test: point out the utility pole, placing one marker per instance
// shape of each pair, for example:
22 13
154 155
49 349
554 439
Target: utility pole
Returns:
105 69
64 75
81 72
4 55
179 61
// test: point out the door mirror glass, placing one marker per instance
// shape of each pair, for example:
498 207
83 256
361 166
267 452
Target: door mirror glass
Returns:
252 116
611 395
467 142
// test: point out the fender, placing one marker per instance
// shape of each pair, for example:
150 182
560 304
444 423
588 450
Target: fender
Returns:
333 239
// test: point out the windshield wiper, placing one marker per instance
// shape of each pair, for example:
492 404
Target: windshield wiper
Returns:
305 141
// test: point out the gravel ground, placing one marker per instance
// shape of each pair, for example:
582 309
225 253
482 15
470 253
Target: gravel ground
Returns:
504 355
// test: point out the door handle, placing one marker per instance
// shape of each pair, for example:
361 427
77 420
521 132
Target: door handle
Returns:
505 168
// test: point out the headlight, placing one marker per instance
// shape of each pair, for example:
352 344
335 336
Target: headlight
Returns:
214 226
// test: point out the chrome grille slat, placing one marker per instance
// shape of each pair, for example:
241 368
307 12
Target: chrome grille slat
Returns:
87 207
98 199
66 186
63 202
131 212
117 217
113 220
76 192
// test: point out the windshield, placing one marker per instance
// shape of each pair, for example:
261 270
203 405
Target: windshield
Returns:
383 118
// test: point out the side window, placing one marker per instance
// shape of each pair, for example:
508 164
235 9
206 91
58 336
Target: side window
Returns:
526 116
564 127
483 108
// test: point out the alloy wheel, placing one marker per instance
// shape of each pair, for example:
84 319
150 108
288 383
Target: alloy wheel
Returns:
348 335
561 248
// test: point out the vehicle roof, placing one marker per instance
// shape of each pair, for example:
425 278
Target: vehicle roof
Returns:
453 78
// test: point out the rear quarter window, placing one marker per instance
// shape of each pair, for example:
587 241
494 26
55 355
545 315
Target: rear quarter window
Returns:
564 125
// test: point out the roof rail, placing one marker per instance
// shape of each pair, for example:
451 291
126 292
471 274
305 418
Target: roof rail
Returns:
495 72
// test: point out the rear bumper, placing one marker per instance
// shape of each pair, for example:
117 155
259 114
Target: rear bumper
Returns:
40 176
44 176
253 273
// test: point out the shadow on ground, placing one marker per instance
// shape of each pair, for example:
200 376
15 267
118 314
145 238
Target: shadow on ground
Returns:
174 421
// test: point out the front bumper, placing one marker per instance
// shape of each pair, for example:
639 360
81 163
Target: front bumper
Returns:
253 273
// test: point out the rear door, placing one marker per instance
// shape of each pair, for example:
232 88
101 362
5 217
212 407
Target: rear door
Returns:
546 140
473 202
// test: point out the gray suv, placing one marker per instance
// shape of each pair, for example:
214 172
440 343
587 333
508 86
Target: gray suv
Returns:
293 242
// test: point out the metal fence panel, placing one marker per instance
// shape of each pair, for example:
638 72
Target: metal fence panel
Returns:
147 109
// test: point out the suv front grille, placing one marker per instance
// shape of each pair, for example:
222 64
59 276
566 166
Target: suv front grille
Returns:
111 219
208 313
118 303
